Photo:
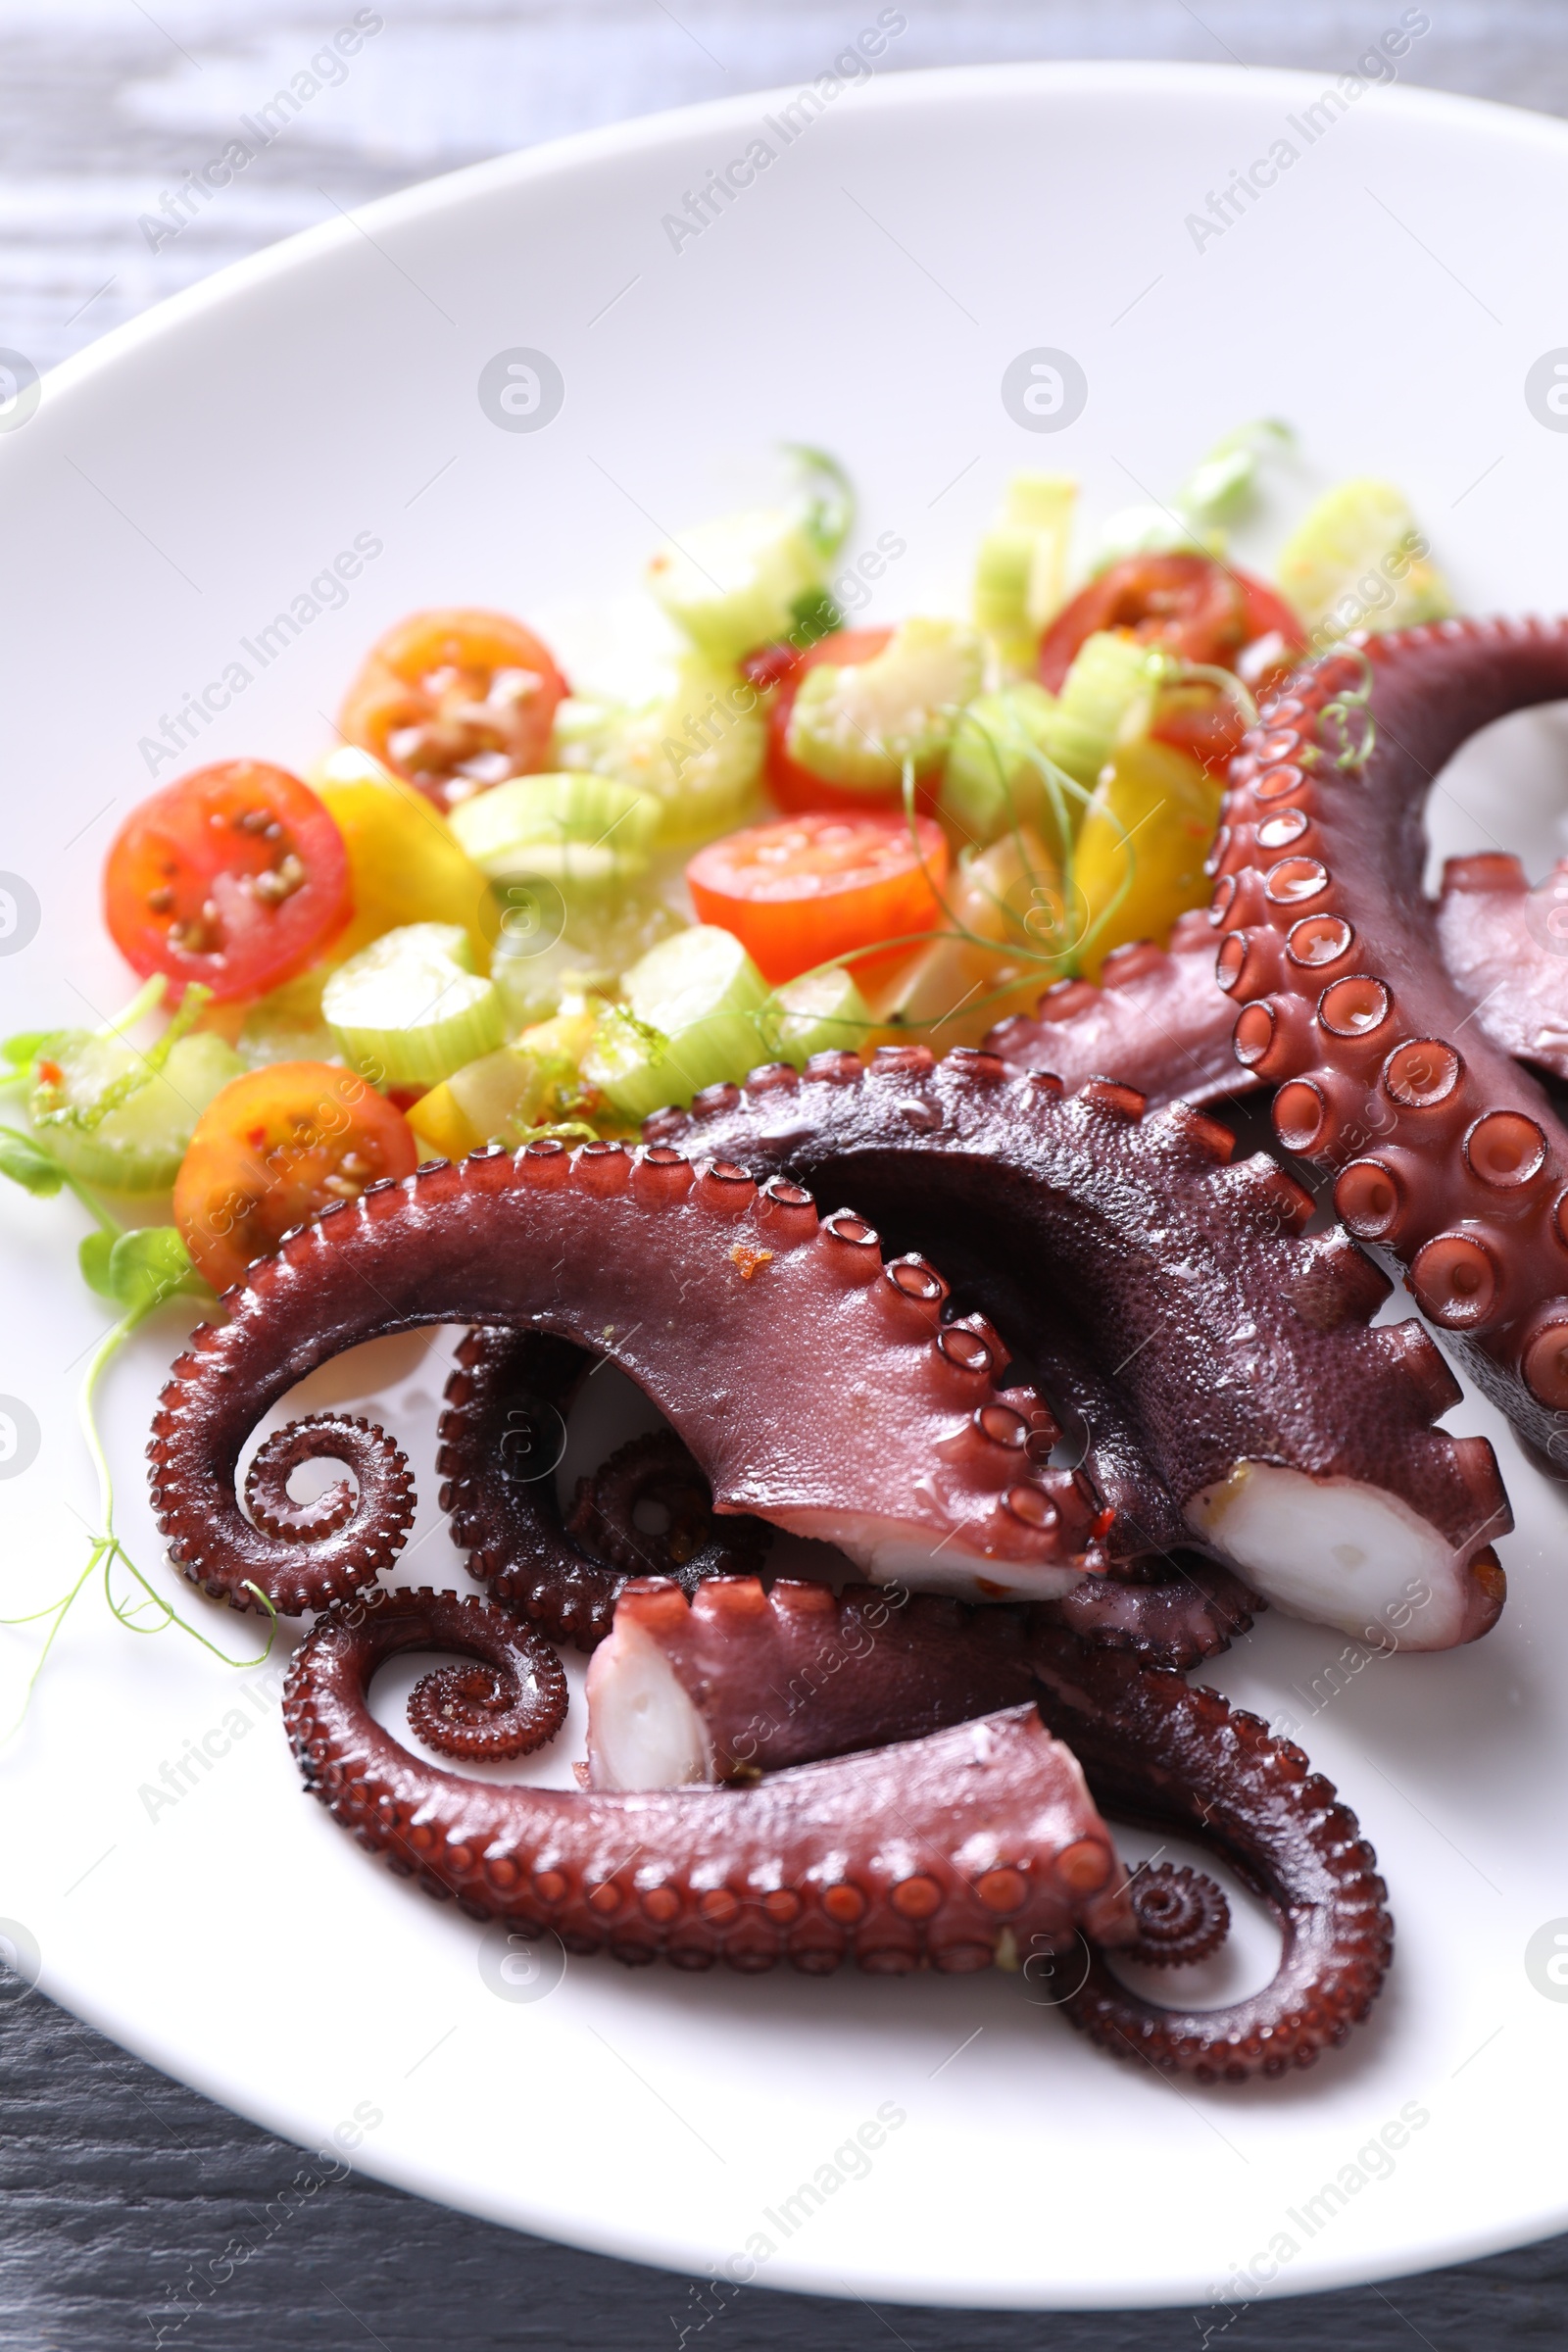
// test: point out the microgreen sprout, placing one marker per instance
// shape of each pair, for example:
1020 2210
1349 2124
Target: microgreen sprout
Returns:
136 1272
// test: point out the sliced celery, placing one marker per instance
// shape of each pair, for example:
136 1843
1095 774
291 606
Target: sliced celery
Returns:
603 936
1110 674
1220 489
699 753
731 584
1359 562
994 777
288 1025
858 724
578 830
689 1021
1020 576
506 1097
137 1146
823 1012
409 1008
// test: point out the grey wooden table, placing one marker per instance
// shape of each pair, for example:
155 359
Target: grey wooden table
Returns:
116 2183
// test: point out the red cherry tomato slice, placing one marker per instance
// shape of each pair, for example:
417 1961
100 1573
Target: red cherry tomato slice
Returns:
792 787
1202 611
455 700
820 884
236 876
275 1148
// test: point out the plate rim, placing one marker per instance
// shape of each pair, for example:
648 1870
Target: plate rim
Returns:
895 89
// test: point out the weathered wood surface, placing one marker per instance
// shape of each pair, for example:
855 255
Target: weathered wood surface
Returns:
116 2183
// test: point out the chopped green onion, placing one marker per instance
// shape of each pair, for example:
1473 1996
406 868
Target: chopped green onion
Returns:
410 1009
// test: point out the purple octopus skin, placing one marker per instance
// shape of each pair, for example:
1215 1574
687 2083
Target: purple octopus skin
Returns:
1505 947
505 1405
735 1683
1219 1361
936 1852
566 1577
736 1308
1158 1020
730 1681
1449 1160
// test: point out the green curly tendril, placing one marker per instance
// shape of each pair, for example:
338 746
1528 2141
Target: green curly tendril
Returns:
137 1271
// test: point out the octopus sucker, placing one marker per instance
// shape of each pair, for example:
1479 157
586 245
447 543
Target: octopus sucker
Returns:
1220 1362
742 1681
925 1459
1450 1161
733 1683
928 1853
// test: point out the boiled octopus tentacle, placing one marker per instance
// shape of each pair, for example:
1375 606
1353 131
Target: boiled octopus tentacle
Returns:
1218 1364
935 1852
1158 1020
730 1681
922 1454
505 1405
1505 946
1157 1753
735 1680
1449 1159
1182 1915
510 1521
484 1713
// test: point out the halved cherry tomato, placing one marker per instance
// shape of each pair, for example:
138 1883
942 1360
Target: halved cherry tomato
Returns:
1203 610
455 699
819 885
792 787
275 1148
236 876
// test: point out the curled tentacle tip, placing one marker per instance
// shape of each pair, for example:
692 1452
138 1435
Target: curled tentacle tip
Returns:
1182 1915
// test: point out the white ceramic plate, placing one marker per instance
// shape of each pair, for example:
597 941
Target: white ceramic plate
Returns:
180 485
